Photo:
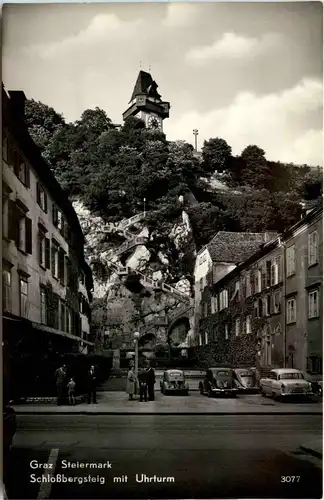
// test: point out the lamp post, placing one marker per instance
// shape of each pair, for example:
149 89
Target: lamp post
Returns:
195 133
136 337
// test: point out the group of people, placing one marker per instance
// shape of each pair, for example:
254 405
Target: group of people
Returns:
65 387
143 383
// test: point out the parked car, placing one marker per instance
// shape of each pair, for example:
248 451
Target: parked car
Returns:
174 381
285 382
316 381
245 380
218 381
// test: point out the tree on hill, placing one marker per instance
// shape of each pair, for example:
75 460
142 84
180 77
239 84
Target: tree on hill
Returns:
216 154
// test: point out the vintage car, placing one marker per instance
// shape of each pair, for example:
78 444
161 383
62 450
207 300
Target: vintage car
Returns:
285 382
174 381
218 381
316 382
245 380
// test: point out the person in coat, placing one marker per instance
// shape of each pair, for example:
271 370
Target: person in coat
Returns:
92 385
142 380
131 383
150 373
60 378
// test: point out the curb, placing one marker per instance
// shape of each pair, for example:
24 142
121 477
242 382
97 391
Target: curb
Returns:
167 413
310 451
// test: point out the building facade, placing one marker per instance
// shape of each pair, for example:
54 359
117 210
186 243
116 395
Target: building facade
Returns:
46 283
268 310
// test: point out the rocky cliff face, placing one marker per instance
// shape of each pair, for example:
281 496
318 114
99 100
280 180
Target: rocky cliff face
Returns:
130 301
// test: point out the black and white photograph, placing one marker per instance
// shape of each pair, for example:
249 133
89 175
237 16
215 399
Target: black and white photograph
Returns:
162 250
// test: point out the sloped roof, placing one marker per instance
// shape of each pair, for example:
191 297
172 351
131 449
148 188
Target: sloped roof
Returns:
145 85
236 247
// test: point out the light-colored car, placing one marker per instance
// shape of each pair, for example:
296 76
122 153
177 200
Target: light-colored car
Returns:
174 381
283 382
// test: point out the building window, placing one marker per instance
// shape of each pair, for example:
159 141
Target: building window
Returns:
291 311
291 260
223 300
258 308
277 302
22 171
268 273
266 306
226 331
43 304
315 365
312 248
41 197
41 249
24 236
55 259
200 339
206 337
248 284
313 304
205 309
237 327
23 297
274 273
68 320
248 323
63 315
214 304
258 281
5 216
6 290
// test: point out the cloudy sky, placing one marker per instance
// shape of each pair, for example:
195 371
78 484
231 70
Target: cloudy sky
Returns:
250 73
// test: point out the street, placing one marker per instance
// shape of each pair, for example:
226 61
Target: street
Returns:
209 456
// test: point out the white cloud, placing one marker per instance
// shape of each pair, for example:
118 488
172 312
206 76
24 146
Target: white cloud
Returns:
280 123
233 46
101 29
180 15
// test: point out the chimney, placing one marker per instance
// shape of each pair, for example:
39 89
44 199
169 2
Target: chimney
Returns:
17 100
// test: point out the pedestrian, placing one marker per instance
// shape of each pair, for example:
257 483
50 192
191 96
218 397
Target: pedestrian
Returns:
150 373
131 383
71 391
60 377
92 385
142 380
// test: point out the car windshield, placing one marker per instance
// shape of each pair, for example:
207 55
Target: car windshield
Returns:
174 374
244 374
290 376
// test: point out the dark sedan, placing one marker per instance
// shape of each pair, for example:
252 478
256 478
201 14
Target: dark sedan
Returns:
218 381
174 381
245 380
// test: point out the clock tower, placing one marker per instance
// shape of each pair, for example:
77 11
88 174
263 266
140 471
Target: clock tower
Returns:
146 103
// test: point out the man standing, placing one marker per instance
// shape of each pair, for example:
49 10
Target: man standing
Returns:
60 378
142 379
92 385
150 373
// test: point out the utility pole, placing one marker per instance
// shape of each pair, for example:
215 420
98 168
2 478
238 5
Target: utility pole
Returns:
195 133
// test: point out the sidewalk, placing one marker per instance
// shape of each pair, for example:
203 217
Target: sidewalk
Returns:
114 403
314 448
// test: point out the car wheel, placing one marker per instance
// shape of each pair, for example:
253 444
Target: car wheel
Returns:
263 394
273 395
201 390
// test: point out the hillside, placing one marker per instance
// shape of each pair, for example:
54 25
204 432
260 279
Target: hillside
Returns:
114 173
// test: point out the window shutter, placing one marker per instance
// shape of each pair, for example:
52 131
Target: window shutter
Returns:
13 218
27 173
29 236
279 264
39 248
61 265
38 193
47 253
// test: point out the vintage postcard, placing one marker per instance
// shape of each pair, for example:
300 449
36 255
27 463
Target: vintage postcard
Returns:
162 250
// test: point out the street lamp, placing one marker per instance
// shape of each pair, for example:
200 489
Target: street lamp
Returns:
136 337
195 133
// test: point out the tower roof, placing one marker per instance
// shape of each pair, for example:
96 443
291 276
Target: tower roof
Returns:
145 85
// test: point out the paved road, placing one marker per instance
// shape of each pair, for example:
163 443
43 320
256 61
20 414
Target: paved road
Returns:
209 456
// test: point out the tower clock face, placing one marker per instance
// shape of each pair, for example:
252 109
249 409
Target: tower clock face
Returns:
153 122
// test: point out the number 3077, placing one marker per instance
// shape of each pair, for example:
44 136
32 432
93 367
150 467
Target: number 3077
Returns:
290 479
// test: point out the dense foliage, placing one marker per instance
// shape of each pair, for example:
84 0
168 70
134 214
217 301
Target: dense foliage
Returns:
113 169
